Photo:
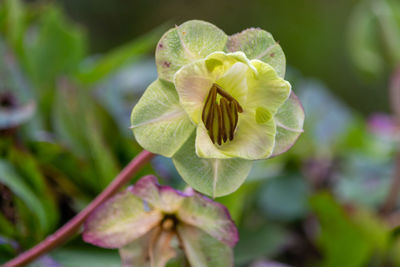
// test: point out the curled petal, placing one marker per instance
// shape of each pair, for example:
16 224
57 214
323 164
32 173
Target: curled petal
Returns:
119 221
266 88
163 198
289 122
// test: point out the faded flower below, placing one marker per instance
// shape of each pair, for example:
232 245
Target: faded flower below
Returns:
151 224
220 102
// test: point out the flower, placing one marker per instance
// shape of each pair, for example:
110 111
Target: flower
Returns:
149 222
219 103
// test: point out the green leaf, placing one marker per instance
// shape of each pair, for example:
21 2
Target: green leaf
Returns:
119 221
203 250
235 202
291 192
29 170
258 242
7 228
346 241
10 178
190 41
119 57
57 49
374 36
289 124
77 124
14 22
259 44
213 177
159 122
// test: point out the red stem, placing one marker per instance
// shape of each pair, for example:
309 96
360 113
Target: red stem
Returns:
71 227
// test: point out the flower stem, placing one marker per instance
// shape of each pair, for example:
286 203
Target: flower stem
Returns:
71 227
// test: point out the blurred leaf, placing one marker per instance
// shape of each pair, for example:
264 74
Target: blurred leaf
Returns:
28 169
14 22
327 119
122 89
13 80
6 227
77 123
284 198
363 179
346 241
120 57
236 201
10 178
261 242
374 36
57 49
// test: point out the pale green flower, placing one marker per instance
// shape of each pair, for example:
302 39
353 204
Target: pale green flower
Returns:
220 102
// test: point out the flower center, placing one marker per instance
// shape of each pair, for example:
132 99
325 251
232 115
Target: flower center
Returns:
220 118
169 223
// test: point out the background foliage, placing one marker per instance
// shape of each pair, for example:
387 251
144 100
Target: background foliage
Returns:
71 71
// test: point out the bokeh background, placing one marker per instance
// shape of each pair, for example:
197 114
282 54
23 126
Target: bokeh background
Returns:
71 71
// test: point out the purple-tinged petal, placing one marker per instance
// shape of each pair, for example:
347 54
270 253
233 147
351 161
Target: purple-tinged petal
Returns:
119 221
203 250
289 124
210 216
163 198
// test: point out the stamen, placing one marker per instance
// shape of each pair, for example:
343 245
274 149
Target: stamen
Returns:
220 119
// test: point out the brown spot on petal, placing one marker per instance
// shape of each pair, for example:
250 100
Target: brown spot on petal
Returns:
160 45
167 64
272 55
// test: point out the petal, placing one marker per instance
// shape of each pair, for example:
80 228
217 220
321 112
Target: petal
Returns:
289 124
159 123
234 81
153 250
266 89
210 216
213 177
163 198
252 140
190 41
203 250
193 82
259 44
136 253
119 221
